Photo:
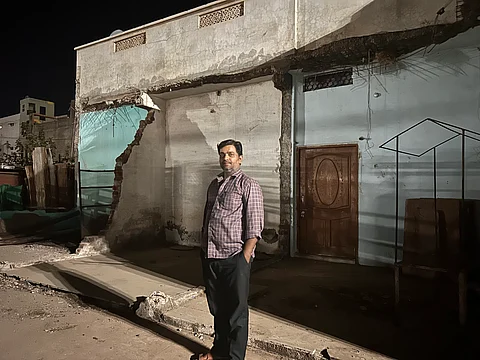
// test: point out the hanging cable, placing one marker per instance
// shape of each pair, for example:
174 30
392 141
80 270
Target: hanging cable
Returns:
368 145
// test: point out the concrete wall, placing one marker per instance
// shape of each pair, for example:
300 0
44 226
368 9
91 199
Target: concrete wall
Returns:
9 133
195 125
444 85
177 49
61 132
321 22
138 217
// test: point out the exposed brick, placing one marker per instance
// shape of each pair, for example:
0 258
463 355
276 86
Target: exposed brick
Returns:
122 160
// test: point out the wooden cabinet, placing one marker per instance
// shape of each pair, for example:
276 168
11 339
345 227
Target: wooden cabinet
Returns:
433 238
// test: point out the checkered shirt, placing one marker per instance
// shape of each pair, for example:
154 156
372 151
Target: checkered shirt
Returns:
233 214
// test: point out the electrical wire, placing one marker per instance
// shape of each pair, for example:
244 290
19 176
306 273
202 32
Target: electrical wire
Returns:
368 145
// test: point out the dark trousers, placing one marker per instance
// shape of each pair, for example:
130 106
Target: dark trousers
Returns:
227 286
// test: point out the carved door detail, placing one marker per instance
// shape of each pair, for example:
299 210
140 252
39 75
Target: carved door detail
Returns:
328 201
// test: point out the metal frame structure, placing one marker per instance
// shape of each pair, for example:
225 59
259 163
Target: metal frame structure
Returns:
458 132
80 188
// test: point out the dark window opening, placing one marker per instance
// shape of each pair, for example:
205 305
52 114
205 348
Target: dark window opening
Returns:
43 111
31 108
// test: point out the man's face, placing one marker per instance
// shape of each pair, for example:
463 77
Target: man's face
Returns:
230 161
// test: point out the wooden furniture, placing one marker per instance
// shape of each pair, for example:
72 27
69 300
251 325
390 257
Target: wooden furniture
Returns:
433 234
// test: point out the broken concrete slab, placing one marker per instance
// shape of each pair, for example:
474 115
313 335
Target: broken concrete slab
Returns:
270 334
101 276
21 255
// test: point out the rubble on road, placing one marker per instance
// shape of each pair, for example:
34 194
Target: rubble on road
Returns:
15 256
93 245
158 303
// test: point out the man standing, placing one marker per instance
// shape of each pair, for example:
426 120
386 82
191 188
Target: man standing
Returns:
232 225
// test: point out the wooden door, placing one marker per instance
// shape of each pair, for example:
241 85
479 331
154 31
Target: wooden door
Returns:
327 203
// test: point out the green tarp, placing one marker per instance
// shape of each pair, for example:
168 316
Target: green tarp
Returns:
11 197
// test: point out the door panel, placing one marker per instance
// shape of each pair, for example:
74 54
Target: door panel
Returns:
328 201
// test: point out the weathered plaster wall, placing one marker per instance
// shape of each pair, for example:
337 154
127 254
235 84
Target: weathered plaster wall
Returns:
444 85
195 125
177 49
138 216
350 18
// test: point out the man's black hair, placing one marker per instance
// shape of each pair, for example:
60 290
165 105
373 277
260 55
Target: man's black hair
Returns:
237 144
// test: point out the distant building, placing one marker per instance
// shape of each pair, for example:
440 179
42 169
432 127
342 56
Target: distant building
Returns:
29 106
9 133
59 128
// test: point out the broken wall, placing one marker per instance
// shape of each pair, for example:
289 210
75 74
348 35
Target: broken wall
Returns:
195 125
140 172
104 135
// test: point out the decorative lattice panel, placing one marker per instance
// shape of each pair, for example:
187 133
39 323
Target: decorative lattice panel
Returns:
459 9
222 15
130 42
324 81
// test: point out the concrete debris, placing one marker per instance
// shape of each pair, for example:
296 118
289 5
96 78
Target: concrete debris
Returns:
15 256
198 335
192 327
289 352
155 305
92 245
5 265
60 328
158 303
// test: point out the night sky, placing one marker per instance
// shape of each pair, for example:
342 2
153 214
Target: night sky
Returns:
37 57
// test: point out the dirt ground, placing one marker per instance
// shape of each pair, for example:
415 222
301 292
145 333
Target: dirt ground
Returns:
350 302
39 324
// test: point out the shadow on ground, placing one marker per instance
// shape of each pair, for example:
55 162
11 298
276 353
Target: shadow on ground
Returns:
353 303
114 303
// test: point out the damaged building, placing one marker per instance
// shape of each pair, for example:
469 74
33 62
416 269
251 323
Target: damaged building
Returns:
311 88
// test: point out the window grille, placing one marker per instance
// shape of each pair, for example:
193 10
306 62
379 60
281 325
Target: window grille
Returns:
329 80
222 15
130 42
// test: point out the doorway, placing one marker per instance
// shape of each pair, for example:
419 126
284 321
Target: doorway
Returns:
327 201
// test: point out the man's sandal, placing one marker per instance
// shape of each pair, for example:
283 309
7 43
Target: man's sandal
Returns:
207 356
